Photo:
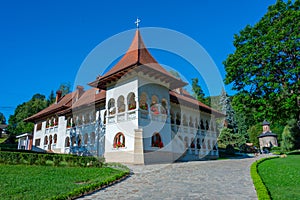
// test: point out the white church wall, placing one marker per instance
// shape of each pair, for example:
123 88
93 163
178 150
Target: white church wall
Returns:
121 122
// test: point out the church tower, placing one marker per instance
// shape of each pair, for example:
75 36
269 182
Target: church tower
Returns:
137 106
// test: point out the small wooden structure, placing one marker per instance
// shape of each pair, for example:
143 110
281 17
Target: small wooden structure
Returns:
25 141
267 139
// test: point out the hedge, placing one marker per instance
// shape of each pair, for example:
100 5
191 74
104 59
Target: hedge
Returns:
7 157
295 152
261 190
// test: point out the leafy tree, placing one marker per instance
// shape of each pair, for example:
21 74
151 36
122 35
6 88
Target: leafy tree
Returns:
198 92
287 142
65 88
16 122
265 67
291 136
2 118
277 129
242 128
254 132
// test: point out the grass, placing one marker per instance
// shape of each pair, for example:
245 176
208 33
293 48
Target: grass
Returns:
46 182
281 177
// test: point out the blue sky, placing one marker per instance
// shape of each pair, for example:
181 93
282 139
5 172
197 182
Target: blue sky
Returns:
43 43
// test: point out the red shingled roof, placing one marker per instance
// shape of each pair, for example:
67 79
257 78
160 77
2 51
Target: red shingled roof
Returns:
193 103
88 98
138 58
63 103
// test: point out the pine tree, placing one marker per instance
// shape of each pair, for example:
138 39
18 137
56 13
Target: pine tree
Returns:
227 109
2 118
51 98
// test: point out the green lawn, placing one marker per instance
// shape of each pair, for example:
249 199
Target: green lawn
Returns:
44 182
282 177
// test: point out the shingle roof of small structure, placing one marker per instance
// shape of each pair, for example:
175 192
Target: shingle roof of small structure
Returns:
267 134
265 122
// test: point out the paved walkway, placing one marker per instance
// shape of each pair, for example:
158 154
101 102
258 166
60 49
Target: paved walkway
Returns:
222 179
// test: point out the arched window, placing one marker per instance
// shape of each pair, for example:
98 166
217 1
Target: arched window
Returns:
55 139
46 140
79 140
121 105
178 118
191 122
93 116
73 140
184 120
172 117
47 123
79 120
143 101
211 126
202 125
111 107
67 142
55 122
69 122
156 141
119 140
52 122
50 139
86 138
154 105
208 144
93 138
207 126
131 101
203 144
164 107
86 118
198 143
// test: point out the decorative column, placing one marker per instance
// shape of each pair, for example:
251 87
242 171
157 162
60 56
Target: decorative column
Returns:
149 109
138 152
206 145
201 146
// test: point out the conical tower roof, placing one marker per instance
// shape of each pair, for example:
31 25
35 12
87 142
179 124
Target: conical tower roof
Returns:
137 58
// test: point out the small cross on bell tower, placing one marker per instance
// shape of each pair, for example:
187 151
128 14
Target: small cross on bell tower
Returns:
137 22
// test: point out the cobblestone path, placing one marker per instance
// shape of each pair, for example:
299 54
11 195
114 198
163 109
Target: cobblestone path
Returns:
221 179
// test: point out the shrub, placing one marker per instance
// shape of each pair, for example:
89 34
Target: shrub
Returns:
41 159
277 150
295 152
7 157
261 190
229 149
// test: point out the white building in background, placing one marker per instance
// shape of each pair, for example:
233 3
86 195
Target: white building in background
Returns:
136 113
